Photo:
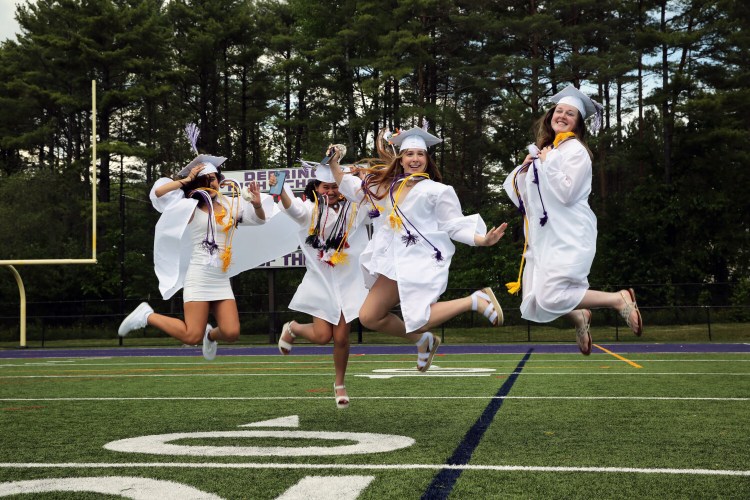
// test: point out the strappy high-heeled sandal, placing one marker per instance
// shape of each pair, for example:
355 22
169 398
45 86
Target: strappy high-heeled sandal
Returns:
493 312
342 402
583 333
424 359
285 347
629 308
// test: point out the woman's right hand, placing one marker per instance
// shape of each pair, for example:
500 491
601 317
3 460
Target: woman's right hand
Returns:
195 171
272 179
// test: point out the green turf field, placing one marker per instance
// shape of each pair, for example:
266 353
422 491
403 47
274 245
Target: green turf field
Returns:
563 426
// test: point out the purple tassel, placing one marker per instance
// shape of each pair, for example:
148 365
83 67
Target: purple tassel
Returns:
210 246
374 213
543 220
438 256
409 239
192 131
521 207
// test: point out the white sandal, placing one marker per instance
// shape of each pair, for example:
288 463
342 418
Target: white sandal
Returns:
424 359
342 402
285 347
583 334
493 312
629 308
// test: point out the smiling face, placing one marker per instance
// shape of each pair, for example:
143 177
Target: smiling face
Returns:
414 161
330 190
564 118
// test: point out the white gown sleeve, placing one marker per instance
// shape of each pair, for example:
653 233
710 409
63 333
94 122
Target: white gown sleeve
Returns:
298 211
162 203
351 188
459 227
568 172
508 185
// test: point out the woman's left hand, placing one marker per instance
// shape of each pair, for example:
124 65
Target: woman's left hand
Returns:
492 236
543 152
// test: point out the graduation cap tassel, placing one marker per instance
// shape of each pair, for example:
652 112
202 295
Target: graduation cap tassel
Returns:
193 132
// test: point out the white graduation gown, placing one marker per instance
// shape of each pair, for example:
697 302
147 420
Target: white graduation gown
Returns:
436 212
560 253
252 246
327 292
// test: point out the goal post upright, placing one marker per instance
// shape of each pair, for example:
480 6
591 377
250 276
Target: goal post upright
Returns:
26 262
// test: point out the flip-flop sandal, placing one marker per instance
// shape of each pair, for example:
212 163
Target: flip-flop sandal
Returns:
583 334
629 308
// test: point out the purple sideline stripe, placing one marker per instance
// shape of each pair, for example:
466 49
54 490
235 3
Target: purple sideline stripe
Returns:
406 349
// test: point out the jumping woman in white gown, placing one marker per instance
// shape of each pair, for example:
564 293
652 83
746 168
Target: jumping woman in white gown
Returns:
551 188
332 235
415 216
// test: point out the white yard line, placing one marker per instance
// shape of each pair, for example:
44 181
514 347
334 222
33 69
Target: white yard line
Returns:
359 467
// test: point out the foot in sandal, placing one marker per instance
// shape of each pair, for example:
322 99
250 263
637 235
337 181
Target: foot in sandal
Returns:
286 339
630 312
484 301
342 400
583 333
424 358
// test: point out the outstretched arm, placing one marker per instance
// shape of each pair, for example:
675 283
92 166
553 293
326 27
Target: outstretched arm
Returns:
286 200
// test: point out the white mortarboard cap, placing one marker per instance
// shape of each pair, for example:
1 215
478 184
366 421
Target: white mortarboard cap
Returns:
414 138
574 97
588 107
212 165
323 174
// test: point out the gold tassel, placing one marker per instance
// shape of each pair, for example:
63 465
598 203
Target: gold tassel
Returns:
311 229
339 258
226 258
395 221
513 287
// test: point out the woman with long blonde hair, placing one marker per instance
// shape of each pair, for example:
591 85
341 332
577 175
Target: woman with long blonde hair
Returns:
415 218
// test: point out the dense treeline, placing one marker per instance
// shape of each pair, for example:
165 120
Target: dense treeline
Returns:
271 81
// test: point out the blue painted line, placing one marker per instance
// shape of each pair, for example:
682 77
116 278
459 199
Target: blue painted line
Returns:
443 483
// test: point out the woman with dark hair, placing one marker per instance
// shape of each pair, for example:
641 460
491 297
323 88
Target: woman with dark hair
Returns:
331 233
415 217
551 189
193 251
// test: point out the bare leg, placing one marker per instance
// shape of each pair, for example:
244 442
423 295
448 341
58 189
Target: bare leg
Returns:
317 332
340 352
191 330
227 320
613 300
376 314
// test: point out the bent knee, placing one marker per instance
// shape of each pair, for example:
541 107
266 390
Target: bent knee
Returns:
368 319
231 335
194 337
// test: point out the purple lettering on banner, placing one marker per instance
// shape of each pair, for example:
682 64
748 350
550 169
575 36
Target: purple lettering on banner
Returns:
298 259
299 184
249 176
262 175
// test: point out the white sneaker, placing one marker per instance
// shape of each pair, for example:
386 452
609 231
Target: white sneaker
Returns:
209 346
135 320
